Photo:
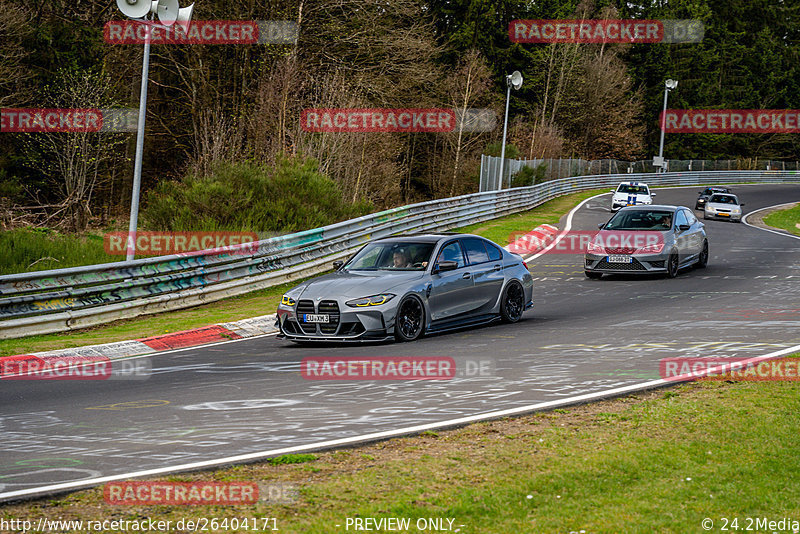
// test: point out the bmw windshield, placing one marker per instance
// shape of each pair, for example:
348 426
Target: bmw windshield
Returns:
392 256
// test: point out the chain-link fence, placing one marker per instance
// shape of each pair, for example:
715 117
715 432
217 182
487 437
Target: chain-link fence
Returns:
552 169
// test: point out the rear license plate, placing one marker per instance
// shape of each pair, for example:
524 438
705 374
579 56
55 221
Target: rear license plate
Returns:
310 318
619 259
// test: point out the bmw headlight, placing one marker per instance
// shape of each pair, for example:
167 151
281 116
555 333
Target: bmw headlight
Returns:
374 300
287 300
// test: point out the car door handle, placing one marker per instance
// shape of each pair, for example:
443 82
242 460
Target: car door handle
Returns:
466 276
496 268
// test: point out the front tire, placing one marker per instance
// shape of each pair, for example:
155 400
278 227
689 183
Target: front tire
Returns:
513 304
672 265
410 320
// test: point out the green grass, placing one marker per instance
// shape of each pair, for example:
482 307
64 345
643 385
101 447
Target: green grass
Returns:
787 219
38 249
292 459
501 230
653 462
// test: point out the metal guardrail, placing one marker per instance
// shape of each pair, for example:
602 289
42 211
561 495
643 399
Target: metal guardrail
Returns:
67 299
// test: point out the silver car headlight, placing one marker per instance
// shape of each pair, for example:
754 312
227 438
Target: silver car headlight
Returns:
374 300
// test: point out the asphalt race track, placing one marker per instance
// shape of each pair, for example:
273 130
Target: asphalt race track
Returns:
582 336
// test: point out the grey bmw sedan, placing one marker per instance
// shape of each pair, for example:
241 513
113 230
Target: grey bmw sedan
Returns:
647 239
403 287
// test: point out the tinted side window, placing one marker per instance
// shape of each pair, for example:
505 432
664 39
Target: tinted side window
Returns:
680 218
452 252
476 252
690 217
495 253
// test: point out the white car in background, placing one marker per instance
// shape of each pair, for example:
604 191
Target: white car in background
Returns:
723 206
631 194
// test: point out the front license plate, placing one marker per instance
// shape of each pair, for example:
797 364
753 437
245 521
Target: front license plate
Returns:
310 318
619 259
723 214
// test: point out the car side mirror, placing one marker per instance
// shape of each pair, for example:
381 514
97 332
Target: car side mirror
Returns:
742 204
444 266
601 225
652 194
613 190
337 265
683 227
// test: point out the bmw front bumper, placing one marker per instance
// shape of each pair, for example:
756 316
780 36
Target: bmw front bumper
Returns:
345 323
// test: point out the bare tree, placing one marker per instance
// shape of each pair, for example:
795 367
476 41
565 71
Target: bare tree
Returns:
77 161
470 83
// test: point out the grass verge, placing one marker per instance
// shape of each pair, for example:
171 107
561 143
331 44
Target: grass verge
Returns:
500 230
787 219
260 302
659 461
39 249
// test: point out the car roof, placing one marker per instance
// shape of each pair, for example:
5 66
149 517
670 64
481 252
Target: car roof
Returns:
422 238
650 207
633 183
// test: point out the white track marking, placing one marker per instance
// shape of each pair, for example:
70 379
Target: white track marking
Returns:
588 397
786 234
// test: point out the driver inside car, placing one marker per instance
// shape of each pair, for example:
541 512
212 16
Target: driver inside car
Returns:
400 260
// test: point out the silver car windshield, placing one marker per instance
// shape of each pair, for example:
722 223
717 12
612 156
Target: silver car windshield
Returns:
640 220
723 199
392 256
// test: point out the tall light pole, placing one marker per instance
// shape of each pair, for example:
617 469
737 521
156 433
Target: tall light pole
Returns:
669 85
143 11
512 80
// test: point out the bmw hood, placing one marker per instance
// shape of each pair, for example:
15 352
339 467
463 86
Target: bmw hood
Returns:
352 285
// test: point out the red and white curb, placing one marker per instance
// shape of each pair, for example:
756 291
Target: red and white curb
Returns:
535 240
256 326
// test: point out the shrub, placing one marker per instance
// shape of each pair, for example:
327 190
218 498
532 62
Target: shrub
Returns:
529 176
247 196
